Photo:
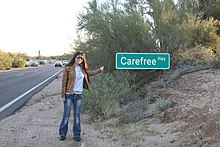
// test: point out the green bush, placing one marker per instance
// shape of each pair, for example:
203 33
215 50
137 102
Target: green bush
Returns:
107 93
5 61
18 62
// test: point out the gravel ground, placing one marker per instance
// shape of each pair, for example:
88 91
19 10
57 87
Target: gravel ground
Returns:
36 124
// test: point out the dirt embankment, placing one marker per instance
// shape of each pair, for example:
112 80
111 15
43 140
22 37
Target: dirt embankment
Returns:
195 116
193 119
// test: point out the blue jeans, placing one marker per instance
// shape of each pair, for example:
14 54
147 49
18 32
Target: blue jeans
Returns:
76 100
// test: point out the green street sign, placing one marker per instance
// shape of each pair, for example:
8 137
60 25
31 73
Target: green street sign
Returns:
142 61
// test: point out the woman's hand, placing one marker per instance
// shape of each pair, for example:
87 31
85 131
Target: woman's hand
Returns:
63 99
102 68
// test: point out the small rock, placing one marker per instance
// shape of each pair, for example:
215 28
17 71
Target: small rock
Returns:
172 141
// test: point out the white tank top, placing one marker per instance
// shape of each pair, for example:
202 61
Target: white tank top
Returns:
78 85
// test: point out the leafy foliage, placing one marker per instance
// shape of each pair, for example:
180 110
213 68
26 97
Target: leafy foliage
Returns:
107 93
15 60
18 60
5 61
187 29
111 29
146 26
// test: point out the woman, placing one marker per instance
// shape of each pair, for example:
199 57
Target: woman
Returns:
75 78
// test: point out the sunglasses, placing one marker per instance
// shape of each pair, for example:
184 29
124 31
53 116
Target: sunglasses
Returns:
79 57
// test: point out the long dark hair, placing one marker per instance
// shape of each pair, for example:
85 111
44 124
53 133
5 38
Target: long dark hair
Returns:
84 64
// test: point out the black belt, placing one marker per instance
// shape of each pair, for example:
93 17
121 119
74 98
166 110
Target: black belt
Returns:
76 94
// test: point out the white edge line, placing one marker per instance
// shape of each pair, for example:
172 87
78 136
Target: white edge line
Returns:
19 97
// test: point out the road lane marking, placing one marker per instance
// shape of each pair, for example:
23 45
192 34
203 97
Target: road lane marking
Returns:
20 75
19 97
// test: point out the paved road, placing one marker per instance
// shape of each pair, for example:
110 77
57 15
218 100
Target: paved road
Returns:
14 83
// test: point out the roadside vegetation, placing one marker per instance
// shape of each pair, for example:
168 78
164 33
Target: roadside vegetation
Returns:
132 106
187 29
109 92
12 60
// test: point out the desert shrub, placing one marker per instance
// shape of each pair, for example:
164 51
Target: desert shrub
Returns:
164 104
5 61
216 61
206 33
194 56
202 41
34 64
107 93
18 62
134 112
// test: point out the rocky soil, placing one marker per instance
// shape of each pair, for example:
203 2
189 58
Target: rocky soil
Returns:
190 118
36 124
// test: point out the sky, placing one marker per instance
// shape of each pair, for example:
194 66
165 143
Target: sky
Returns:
30 26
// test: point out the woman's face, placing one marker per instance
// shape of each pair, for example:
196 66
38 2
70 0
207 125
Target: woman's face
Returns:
78 59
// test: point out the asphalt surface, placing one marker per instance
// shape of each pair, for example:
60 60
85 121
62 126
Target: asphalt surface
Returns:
15 83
